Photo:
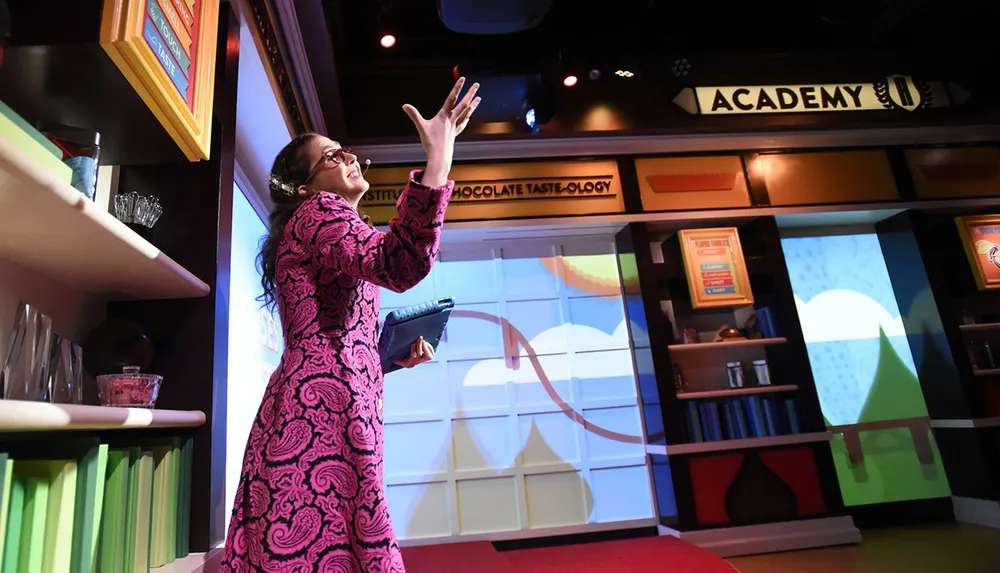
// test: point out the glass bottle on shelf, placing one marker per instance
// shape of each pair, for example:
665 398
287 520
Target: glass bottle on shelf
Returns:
762 372
734 370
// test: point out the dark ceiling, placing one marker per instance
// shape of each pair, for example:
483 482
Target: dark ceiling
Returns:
733 42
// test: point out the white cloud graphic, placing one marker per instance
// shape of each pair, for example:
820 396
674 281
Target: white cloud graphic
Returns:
557 367
840 314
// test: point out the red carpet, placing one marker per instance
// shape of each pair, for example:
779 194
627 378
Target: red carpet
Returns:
643 555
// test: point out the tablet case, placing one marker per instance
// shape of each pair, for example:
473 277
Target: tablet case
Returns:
404 326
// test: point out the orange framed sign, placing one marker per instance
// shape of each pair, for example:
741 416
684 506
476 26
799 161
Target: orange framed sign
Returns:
166 49
981 240
715 268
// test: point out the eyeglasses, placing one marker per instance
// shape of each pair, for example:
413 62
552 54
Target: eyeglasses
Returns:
335 156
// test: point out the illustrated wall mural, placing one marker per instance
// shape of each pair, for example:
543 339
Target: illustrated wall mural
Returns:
528 417
865 375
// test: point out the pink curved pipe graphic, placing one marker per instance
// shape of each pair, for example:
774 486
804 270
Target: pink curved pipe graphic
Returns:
518 338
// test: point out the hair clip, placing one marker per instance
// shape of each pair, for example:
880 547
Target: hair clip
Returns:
286 188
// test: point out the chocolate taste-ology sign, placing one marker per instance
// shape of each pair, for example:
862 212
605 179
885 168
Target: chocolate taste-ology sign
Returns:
514 190
894 92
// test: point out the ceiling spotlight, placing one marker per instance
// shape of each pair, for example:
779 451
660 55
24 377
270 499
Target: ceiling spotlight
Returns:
595 74
569 81
624 73
388 41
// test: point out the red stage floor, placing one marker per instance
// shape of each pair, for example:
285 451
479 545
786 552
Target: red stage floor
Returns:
643 555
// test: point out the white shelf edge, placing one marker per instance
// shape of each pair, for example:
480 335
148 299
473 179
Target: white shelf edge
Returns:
706 346
745 444
966 423
21 167
769 389
21 416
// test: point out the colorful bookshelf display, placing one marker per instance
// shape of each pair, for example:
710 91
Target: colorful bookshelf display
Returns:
731 415
88 506
981 241
716 271
166 49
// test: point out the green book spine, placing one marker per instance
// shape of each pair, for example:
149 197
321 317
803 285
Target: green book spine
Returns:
173 504
112 534
12 544
59 519
144 514
89 504
184 519
33 525
134 495
6 473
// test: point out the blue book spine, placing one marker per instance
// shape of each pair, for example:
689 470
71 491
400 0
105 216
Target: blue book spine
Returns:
793 416
772 416
729 420
706 422
714 421
741 419
757 428
694 423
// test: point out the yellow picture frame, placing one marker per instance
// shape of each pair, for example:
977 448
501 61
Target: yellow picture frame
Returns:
982 248
123 23
715 268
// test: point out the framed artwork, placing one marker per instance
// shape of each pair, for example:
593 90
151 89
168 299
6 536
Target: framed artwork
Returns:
981 240
716 272
166 49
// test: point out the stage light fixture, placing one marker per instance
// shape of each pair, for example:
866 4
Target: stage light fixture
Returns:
624 73
569 81
594 74
387 41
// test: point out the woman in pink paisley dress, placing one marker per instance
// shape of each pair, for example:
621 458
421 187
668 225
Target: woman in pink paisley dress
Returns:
310 497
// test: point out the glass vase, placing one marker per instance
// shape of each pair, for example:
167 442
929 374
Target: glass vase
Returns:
25 369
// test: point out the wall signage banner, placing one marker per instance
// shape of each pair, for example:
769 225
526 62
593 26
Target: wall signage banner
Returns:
509 190
895 92
517 190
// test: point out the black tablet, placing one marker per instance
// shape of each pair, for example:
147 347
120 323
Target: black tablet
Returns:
404 326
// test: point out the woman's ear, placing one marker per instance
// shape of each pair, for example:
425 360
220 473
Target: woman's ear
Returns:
303 190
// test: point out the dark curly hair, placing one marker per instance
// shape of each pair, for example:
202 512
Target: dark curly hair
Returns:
291 167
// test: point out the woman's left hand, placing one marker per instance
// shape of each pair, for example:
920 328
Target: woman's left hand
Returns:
421 351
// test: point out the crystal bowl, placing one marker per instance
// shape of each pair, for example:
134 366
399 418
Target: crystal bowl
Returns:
130 389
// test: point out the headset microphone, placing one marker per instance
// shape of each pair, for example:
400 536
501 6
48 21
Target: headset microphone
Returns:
368 163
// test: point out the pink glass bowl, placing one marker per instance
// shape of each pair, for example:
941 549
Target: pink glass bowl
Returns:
129 389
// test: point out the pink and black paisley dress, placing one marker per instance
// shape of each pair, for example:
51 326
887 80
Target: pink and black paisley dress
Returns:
311 496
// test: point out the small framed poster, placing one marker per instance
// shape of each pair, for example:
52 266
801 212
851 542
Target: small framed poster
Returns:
716 272
981 240
166 49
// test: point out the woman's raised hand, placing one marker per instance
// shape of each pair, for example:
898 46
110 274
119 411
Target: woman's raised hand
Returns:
438 133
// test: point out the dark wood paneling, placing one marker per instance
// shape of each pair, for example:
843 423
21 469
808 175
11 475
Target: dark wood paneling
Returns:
191 336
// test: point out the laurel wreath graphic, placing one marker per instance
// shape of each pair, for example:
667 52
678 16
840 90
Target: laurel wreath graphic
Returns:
885 98
882 93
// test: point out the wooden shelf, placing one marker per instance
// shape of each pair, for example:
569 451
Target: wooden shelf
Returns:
21 416
719 346
736 392
51 228
979 327
745 444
